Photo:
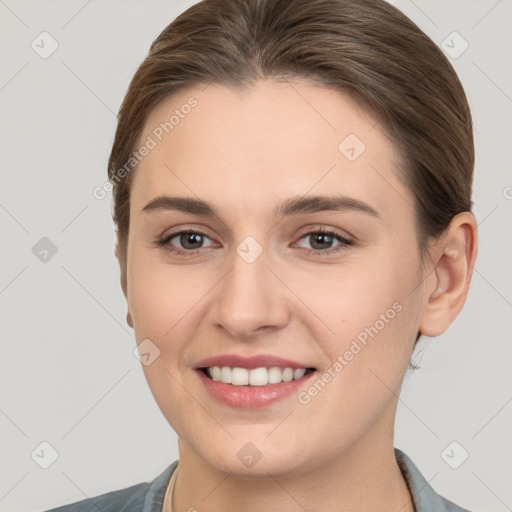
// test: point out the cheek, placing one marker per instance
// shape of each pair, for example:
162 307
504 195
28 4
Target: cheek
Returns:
160 296
372 318
161 301
356 295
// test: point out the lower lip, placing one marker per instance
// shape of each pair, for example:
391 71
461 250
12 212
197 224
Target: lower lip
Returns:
252 397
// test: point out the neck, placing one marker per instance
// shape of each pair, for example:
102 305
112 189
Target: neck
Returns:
363 478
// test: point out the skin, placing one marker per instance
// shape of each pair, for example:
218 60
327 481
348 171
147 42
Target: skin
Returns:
247 151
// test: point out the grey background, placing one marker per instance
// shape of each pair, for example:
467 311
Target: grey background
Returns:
68 373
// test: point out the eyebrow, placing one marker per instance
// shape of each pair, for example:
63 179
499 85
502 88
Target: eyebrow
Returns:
293 206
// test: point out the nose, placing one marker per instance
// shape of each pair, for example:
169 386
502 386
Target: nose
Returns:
251 299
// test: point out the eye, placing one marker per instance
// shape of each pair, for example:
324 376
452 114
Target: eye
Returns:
190 240
322 239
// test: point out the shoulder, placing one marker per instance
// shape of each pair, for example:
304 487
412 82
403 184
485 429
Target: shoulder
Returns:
142 497
130 498
425 498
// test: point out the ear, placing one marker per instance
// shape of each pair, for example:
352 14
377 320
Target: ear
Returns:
124 286
454 258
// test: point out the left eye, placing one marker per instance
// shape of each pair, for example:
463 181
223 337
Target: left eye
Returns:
320 238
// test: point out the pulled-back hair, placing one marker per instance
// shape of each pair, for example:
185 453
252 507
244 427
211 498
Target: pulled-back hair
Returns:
366 48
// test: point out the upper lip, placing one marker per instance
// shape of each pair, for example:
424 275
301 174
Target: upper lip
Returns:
258 361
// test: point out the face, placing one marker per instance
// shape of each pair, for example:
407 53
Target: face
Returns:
263 270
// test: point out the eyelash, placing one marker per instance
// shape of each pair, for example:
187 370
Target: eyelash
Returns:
164 242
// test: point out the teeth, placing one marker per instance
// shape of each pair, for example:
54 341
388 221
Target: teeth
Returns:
254 377
297 374
225 375
287 374
239 377
274 375
257 377
215 373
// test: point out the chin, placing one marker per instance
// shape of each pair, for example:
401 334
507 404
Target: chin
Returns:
266 468
255 461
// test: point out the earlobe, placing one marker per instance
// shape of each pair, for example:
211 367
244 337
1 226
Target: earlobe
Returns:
454 258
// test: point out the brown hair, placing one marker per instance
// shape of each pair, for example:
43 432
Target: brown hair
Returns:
367 49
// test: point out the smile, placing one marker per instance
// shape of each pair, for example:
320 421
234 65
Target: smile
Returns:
251 382
254 377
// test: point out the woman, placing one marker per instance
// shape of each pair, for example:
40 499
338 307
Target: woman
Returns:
292 196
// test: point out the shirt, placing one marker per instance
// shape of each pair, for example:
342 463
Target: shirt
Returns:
149 496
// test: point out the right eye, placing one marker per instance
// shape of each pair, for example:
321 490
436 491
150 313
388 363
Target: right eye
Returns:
186 239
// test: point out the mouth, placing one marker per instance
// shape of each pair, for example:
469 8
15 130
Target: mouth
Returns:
262 376
253 388
252 382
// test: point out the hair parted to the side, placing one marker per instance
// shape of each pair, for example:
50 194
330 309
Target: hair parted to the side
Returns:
367 49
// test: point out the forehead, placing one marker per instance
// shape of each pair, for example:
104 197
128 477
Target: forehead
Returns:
253 146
